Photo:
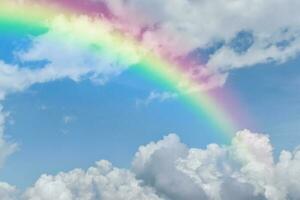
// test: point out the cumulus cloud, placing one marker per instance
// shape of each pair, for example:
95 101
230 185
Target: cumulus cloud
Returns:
243 170
155 164
100 182
170 170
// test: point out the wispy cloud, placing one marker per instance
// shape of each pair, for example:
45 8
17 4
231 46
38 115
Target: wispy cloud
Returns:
67 119
156 96
6 148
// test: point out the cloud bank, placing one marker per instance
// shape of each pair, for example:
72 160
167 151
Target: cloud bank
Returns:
170 170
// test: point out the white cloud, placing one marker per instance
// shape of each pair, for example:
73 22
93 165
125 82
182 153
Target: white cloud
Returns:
155 164
170 170
243 170
178 27
8 192
73 48
156 96
164 29
100 182
68 55
6 148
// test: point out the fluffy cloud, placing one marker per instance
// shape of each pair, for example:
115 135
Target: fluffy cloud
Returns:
8 192
200 24
100 182
170 170
243 170
155 164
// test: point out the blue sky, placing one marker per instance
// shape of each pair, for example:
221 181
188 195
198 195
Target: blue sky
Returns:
77 124
106 122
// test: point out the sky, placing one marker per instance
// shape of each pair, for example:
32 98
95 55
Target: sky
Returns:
77 121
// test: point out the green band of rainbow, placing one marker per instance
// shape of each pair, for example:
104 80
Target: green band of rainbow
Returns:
38 18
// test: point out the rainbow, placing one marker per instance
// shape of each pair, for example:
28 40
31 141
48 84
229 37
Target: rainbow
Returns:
63 16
